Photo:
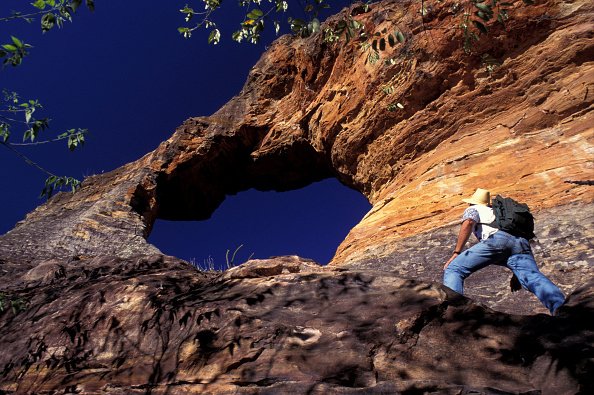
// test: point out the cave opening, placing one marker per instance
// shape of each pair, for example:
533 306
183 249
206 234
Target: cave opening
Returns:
310 222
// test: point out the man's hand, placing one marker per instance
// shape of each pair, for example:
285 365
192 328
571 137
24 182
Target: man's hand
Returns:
514 284
463 235
450 260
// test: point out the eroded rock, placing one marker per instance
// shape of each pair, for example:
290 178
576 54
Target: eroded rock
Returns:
310 110
155 324
89 306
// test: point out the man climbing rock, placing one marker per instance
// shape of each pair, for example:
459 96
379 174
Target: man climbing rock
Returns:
496 247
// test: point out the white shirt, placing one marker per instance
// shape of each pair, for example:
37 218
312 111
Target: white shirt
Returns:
481 215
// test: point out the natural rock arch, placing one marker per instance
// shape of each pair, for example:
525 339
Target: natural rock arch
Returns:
310 110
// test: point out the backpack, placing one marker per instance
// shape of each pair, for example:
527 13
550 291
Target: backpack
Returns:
513 217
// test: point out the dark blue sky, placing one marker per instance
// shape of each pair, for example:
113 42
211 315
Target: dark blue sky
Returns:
126 74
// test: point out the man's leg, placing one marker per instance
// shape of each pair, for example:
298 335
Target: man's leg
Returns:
525 268
490 251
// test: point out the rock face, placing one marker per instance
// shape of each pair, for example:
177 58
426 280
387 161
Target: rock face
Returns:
414 133
312 110
154 324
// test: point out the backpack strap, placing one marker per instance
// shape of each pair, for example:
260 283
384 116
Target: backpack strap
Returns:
491 224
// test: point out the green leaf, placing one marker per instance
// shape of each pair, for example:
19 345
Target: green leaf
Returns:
356 24
252 15
382 44
481 27
297 25
4 131
348 34
187 10
48 21
39 4
237 36
483 16
184 31
391 40
72 142
485 8
214 37
9 47
75 4
255 13
388 89
399 37
314 26
17 42
281 5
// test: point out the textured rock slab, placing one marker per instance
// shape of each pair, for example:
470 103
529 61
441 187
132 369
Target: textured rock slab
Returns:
156 324
564 252
102 315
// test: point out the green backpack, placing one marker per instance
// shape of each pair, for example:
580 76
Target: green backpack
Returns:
513 217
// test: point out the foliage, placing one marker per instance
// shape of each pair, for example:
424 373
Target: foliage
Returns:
257 13
51 13
14 52
16 304
475 20
16 113
478 14
378 43
53 183
349 27
490 63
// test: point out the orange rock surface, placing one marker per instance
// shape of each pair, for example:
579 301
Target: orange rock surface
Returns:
414 132
101 311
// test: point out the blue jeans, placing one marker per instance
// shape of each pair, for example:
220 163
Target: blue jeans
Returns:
514 252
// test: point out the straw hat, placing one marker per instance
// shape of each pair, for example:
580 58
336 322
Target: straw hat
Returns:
480 196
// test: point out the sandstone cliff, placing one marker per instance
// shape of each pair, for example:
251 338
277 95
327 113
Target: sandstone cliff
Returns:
312 110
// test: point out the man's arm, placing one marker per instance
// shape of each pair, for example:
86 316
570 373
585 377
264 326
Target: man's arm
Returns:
465 232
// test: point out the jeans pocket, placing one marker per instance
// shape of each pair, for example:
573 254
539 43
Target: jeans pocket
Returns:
522 246
498 242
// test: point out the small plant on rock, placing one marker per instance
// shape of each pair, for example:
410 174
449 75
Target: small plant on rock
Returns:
16 304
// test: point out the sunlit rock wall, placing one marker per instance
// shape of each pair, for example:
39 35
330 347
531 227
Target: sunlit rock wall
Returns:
414 132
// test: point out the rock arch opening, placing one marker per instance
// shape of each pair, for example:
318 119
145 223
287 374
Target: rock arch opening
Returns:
310 222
